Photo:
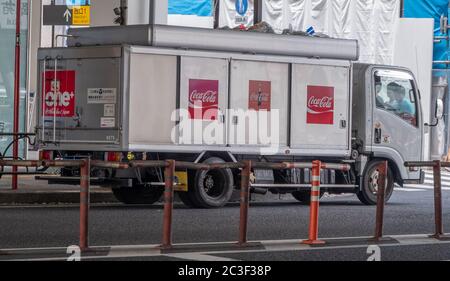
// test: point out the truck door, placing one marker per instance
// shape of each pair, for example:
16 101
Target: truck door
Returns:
203 101
397 117
79 100
320 109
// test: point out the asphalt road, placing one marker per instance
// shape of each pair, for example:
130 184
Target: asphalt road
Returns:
286 221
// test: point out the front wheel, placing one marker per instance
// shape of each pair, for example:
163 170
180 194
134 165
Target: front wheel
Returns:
371 181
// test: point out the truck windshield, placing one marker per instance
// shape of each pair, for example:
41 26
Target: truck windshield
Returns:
395 93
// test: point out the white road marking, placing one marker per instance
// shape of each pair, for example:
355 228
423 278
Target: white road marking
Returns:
269 246
199 257
424 187
410 189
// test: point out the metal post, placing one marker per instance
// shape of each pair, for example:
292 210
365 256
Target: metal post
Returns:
314 212
151 12
53 3
85 172
245 202
257 14
437 199
16 95
381 199
216 14
169 175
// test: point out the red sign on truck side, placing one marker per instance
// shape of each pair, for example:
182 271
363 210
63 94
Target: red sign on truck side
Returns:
204 99
260 95
320 105
59 93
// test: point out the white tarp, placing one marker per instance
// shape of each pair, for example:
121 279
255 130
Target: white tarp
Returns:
229 16
371 22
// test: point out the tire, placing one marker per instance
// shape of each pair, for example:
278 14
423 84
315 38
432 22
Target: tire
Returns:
186 199
210 189
138 195
303 196
368 193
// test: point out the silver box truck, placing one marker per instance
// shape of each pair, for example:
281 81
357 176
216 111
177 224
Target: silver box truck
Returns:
161 92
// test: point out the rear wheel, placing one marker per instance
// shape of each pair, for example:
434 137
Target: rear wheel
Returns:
371 181
138 194
209 189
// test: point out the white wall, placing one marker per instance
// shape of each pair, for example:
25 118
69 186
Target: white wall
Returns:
138 11
191 21
413 48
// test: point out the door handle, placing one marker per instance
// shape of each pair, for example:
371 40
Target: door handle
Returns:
378 135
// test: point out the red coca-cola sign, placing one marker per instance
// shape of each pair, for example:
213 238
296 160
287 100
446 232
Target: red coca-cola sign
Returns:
320 105
203 99
260 95
58 91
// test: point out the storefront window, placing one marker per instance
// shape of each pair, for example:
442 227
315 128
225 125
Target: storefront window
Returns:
7 54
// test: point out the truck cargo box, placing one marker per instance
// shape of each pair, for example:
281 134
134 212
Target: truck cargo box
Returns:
125 98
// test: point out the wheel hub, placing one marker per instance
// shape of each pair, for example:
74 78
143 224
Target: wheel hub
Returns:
374 181
209 183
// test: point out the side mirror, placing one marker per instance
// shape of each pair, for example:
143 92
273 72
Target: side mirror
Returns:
439 114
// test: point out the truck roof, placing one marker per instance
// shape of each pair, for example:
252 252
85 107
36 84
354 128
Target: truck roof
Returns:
216 40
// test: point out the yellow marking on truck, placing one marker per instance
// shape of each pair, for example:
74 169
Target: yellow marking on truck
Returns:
182 181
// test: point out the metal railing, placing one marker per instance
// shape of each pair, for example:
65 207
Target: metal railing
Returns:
246 169
437 179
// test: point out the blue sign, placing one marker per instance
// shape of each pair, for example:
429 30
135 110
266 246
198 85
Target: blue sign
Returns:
202 8
311 31
78 2
242 7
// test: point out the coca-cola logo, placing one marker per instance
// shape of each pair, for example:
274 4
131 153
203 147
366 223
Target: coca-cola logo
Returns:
206 97
203 99
320 105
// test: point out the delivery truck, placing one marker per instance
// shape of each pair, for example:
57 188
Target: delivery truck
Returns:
154 92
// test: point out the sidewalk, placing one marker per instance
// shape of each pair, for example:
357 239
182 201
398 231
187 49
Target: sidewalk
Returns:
32 191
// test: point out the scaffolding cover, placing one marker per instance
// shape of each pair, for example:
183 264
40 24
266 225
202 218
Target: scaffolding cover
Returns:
371 22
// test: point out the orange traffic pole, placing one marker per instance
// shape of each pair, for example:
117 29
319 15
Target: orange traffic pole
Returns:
314 206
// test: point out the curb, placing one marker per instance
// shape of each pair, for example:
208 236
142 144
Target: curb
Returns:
24 197
53 197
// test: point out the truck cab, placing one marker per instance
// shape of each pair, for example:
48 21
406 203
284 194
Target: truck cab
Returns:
387 125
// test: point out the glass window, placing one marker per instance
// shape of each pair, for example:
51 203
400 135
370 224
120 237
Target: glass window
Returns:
395 93
7 52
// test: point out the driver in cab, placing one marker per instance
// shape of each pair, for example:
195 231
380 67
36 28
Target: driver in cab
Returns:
398 100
